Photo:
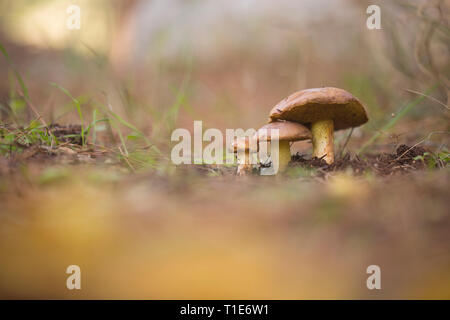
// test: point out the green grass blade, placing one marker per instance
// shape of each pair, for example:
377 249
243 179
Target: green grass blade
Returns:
136 130
16 73
395 119
77 105
94 123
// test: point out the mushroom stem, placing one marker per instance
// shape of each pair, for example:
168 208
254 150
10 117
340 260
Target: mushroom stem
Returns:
244 163
284 155
323 140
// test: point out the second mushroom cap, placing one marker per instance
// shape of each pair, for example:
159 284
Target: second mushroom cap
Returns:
287 131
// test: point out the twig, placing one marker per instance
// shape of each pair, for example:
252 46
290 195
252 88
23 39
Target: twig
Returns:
429 97
422 141
125 157
345 143
30 104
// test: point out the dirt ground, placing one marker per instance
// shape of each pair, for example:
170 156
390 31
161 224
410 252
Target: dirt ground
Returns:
202 232
404 159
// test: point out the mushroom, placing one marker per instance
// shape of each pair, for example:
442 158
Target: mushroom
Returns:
244 148
287 132
323 110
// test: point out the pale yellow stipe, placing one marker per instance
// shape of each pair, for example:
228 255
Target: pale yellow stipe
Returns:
323 140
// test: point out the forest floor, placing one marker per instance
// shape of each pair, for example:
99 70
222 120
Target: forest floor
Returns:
199 231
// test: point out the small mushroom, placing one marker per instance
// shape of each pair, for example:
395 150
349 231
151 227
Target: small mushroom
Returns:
244 148
287 132
323 110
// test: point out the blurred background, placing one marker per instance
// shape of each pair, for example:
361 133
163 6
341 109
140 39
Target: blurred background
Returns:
153 66
163 64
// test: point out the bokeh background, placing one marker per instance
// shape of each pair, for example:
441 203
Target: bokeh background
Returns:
140 228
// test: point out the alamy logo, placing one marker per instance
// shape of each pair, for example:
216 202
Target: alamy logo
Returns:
73 21
374 20
241 145
374 281
74 280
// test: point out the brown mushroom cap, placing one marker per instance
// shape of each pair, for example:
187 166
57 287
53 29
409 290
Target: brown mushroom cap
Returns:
311 105
288 131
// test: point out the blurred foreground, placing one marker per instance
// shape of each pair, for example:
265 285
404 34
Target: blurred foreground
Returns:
200 236
85 177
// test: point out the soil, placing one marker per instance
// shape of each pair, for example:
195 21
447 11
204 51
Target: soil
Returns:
68 151
402 160
67 133
383 164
